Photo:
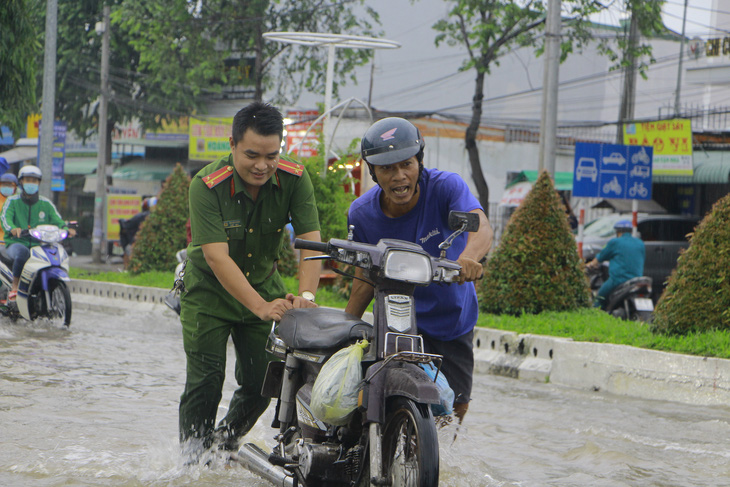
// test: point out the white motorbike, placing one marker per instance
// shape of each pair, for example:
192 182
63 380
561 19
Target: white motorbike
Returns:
42 292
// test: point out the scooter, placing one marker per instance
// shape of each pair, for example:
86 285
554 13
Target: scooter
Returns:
630 300
42 292
390 437
172 300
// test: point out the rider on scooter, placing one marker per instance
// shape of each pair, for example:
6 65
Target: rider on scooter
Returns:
625 255
22 211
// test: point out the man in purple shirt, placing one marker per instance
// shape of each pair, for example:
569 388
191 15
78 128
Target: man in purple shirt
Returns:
413 203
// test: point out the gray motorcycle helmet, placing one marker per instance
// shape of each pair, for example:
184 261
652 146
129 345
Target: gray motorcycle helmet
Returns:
391 140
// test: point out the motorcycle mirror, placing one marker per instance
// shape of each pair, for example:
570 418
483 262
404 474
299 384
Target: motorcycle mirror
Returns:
458 218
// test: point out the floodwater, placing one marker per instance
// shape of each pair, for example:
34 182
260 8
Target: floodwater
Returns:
96 405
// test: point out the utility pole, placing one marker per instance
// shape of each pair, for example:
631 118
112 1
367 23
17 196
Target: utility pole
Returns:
628 97
549 117
101 162
49 98
628 94
681 56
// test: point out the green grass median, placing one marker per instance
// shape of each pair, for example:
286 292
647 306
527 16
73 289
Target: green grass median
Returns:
588 325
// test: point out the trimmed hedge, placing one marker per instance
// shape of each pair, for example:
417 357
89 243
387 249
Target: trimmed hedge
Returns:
536 266
697 297
163 233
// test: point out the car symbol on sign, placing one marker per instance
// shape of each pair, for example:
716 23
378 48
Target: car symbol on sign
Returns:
614 158
586 168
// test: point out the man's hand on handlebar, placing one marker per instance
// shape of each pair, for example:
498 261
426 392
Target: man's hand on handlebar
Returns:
471 270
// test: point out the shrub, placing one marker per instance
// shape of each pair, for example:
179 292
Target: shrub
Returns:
536 266
697 297
163 233
332 200
332 205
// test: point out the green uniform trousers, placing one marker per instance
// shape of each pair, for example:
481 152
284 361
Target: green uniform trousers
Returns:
208 319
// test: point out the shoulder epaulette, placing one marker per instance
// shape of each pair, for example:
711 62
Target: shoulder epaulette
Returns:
291 167
214 179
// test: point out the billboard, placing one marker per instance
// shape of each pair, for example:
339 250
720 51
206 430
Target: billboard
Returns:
209 138
672 143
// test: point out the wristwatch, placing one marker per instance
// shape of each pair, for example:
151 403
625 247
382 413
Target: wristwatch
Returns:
308 295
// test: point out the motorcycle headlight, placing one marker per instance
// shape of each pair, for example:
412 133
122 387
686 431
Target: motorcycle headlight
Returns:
407 266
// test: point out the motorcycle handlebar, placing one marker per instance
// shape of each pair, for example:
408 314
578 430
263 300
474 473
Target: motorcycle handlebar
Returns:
311 245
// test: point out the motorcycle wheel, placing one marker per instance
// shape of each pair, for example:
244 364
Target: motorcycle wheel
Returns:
410 445
59 309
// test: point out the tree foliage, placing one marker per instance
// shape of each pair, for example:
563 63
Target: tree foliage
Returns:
171 58
332 200
697 297
19 48
536 266
491 28
163 232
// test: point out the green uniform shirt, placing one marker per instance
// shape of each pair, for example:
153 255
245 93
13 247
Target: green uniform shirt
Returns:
254 231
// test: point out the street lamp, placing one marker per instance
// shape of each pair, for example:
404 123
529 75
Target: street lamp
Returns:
331 41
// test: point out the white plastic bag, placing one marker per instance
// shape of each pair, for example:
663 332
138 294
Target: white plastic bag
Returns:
334 395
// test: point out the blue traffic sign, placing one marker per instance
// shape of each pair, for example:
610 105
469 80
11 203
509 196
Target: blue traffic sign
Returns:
612 171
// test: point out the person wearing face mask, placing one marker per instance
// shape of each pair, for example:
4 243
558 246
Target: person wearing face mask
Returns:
23 211
8 185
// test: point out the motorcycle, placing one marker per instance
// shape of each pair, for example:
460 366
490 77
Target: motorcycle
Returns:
630 300
172 300
42 292
390 437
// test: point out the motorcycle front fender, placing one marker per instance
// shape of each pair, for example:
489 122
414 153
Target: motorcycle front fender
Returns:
397 379
50 273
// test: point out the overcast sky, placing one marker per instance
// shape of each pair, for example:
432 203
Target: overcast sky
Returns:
419 76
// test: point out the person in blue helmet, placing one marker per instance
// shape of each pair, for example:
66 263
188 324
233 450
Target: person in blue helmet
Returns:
625 255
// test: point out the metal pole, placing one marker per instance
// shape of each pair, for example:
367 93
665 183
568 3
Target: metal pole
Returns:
49 98
328 104
549 118
100 198
629 89
681 56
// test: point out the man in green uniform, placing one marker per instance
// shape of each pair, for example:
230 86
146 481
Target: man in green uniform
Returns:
239 206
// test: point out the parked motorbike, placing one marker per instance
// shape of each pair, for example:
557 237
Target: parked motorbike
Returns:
630 300
42 292
390 437
172 300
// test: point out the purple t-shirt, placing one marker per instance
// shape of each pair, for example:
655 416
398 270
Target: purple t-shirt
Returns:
443 311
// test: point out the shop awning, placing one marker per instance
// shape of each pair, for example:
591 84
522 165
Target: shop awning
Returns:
624 206
79 165
709 168
19 154
144 170
563 180
153 142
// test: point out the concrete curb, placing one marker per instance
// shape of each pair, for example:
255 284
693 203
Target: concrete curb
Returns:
617 369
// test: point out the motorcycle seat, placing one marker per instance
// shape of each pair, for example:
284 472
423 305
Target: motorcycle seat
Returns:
5 258
634 281
307 328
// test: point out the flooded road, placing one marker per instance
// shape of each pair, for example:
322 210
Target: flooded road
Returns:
97 406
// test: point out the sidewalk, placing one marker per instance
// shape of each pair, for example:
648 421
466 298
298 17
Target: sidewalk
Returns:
86 262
